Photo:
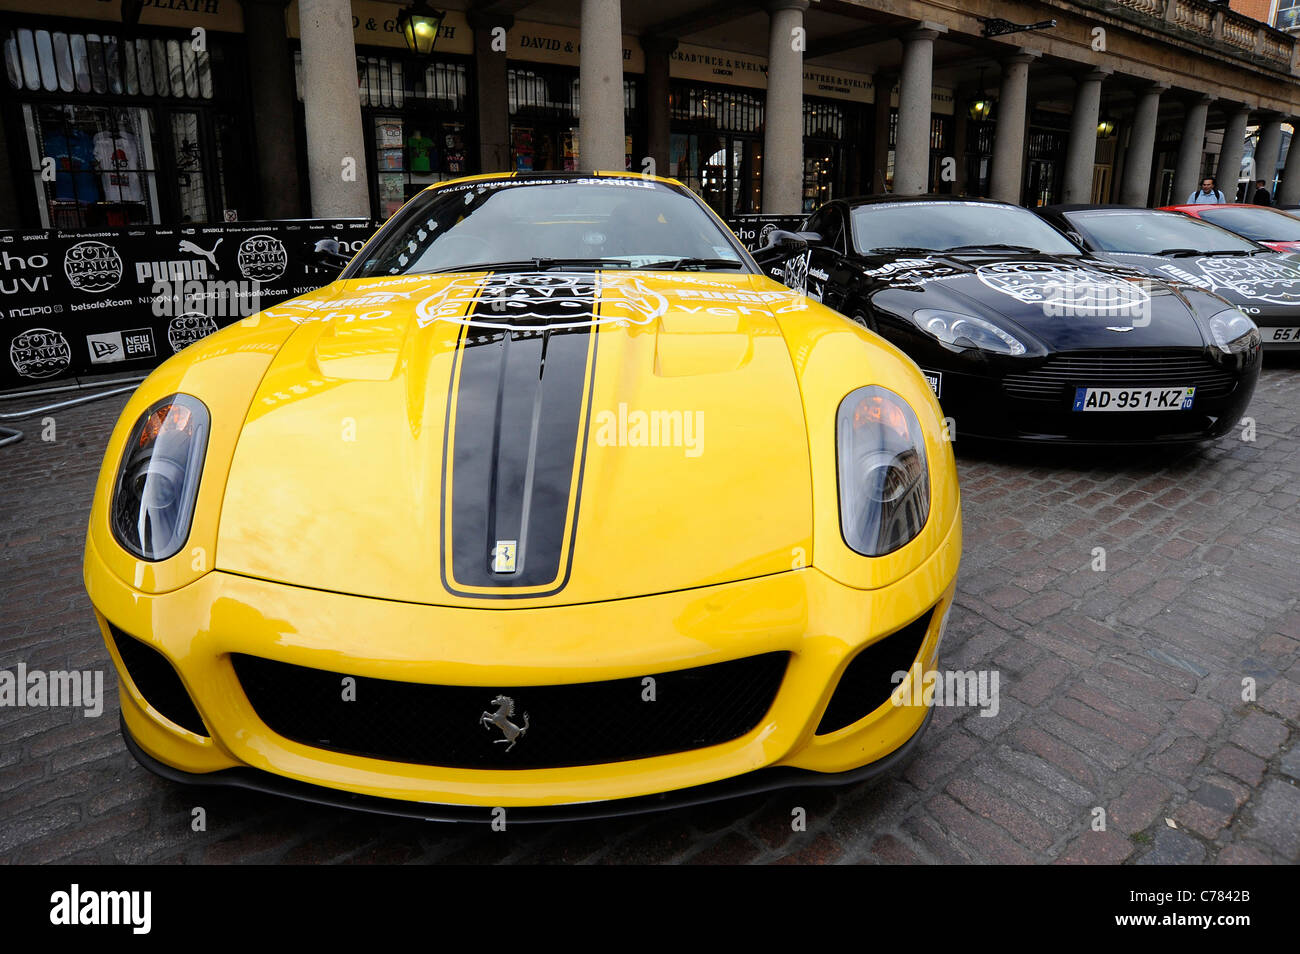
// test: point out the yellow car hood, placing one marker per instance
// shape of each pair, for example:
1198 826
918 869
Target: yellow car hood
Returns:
519 440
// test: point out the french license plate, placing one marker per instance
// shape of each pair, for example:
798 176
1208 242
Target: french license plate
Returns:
1280 334
1133 399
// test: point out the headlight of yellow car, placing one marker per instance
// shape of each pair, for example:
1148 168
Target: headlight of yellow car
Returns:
158 478
883 477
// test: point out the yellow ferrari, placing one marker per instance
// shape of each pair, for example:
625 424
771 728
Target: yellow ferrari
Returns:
551 505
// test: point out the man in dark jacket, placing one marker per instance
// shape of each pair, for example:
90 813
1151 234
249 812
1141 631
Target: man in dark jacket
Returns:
1262 195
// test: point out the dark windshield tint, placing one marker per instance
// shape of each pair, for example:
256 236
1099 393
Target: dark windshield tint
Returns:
936 226
1147 233
1262 225
620 223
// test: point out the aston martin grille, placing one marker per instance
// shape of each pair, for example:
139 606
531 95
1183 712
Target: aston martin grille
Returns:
579 724
1056 378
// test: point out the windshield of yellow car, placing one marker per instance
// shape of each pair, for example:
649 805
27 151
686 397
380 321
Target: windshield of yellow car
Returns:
580 222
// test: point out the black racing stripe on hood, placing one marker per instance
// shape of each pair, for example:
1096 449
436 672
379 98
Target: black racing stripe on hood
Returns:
518 436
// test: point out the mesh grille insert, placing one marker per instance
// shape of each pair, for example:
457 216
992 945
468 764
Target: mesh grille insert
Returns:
580 724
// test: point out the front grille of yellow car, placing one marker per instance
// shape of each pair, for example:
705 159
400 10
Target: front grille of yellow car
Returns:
868 681
1056 378
580 724
156 679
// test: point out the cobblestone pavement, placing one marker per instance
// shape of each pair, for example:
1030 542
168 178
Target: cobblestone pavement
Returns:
1120 690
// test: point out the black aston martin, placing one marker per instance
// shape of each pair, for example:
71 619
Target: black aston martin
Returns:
1023 334
1262 282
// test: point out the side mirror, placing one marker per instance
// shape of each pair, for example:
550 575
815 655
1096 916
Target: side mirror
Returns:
1076 238
789 243
326 254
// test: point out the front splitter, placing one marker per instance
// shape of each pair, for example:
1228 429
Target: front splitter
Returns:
751 783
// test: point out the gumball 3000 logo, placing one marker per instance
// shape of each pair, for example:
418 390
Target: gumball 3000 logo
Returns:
40 353
92 267
184 330
262 258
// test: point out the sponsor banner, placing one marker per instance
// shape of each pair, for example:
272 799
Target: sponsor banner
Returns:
125 300
753 230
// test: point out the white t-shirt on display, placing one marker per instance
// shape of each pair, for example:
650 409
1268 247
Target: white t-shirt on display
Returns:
117 155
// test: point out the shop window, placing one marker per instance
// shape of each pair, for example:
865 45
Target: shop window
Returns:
94 155
103 162
41 61
545 109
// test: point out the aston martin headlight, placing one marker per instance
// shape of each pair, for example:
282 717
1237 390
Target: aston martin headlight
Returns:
1233 332
960 332
158 478
884 480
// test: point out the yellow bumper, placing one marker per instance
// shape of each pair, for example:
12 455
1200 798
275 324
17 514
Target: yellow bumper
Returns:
820 622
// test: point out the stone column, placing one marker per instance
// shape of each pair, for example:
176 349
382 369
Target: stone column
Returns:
336 155
1288 190
600 87
493 88
1234 146
1136 185
916 84
658 56
883 85
1266 152
783 114
272 91
1191 149
1081 154
1006 177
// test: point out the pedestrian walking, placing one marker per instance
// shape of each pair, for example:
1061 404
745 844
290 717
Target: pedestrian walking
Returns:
1207 195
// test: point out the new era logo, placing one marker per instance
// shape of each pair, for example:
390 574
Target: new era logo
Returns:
111 346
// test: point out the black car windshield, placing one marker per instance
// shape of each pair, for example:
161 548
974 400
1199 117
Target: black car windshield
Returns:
1262 225
579 222
1147 232
942 226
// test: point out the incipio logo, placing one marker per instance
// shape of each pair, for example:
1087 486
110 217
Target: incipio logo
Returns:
262 258
184 330
40 353
92 267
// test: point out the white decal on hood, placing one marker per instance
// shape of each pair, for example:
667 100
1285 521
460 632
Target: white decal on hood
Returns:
1257 279
560 299
1065 289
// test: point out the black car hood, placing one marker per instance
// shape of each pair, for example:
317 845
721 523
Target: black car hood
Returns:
1065 303
1268 280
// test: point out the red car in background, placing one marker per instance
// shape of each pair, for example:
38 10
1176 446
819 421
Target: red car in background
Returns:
1268 226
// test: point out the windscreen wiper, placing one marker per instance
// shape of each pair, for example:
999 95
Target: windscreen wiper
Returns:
1178 252
678 264
531 265
991 246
